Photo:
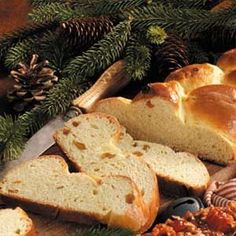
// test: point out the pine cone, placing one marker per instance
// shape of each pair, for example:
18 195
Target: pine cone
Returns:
32 82
169 56
82 33
221 5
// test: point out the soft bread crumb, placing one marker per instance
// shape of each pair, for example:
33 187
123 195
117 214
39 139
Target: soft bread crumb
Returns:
15 222
48 182
104 157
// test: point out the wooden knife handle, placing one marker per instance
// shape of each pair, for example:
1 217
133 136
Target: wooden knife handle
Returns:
110 82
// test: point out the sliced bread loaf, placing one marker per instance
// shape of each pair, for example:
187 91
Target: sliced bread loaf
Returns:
45 185
125 156
15 222
175 168
92 146
194 111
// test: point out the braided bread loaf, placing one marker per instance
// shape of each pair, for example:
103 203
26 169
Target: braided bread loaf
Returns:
194 110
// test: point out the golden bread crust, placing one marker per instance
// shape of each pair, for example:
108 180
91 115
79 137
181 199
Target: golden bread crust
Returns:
227 62
196 75
194 110
135 219
169 91
215 105
31 230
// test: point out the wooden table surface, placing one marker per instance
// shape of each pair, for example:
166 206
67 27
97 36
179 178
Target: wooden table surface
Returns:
13 15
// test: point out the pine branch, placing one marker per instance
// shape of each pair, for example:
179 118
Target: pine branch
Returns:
102 232
13 135
48 45
52 11
219 39
108 7
81 33
101 54
21 52
36 3
198 54
58 99
54 49
188 23
137 58
11 39
16 54
11 139
196 4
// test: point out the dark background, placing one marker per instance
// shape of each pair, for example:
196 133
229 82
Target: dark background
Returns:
13 14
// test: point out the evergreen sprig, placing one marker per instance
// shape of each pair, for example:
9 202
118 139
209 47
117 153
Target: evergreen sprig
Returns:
137 58
52 11
53 48
20 52
199 55
188 23
10 39
101 54
36 3
48 45
108 7
58 99
196 4
11 139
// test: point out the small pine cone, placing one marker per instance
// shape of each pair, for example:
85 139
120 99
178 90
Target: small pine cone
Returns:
169 56
32 83
82 33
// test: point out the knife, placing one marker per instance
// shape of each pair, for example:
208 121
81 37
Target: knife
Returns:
110 82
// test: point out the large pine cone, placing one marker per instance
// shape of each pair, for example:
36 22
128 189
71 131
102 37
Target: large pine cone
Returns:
168 57
32 83
81 33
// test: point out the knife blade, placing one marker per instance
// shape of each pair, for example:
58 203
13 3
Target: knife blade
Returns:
110 82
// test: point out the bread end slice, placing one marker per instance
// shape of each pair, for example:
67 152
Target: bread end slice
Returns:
15 222
44 185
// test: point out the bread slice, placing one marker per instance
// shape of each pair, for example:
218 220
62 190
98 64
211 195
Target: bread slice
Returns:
182 170
200 120
15 222
93 146
44 185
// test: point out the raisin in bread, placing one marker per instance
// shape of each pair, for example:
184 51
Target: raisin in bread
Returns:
193 111
44 185
15 222
90 142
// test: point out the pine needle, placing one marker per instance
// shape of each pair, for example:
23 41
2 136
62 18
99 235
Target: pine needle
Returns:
58 99
52 11
11 141
108 7
10 39
36 3
188 23
101 54
137 58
